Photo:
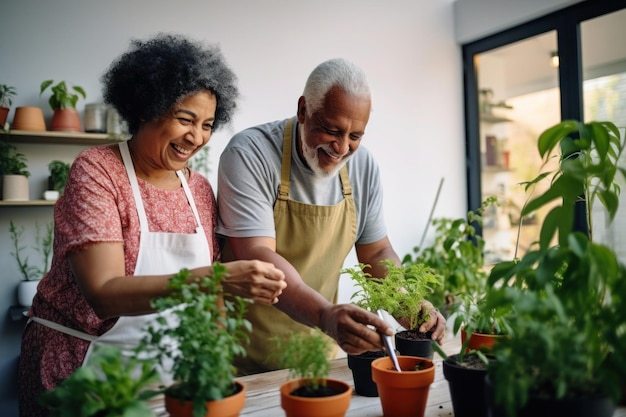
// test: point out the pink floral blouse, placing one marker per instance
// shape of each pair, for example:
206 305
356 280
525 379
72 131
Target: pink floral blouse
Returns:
98 206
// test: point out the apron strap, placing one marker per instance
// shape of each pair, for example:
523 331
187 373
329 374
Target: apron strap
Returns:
63 329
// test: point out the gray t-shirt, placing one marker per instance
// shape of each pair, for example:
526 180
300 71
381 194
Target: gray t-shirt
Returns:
249 176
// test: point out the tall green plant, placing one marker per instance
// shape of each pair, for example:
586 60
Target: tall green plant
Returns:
43 247
457 254
568 337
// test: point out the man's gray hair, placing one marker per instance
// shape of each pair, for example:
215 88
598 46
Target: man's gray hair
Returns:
334 72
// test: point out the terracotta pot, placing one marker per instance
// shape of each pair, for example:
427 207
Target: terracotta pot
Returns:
361 367
227 407
403 394
408 344
332 406
66 120
28 118
467 388
4 113
480 341
15 188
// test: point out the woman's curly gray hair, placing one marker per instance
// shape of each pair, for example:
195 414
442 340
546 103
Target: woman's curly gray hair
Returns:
154 75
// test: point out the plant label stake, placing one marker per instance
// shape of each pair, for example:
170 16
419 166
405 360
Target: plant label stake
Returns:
390 350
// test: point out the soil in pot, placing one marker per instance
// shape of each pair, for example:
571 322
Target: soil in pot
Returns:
361 366
466 382
415 343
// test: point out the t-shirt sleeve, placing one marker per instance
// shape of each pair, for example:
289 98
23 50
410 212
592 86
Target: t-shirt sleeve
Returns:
372 217
245 195
88 211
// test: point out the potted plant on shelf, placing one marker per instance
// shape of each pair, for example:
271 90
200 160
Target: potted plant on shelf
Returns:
211 330
63 104
564 354
14 173
371 294
109 385
7 93
31 275
59 172
309 392
403 394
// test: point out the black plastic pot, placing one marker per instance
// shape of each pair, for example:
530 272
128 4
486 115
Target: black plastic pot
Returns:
361 366
409 343
565 407
467 388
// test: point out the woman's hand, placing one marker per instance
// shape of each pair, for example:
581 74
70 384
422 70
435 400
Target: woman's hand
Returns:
259 281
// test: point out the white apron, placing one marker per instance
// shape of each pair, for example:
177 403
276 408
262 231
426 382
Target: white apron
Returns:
159 253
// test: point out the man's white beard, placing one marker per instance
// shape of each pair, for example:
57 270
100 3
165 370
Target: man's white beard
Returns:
311 157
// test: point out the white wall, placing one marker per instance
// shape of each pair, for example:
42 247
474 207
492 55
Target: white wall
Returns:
406 46
475 19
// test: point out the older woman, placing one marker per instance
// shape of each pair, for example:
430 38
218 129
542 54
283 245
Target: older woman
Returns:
133 214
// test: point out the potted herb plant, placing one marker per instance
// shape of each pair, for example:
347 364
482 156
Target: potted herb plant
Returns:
371 294
59 172
466 372
211 330
7 93
109 385
63 102
564 355
309 392
31 275
413 283
14 173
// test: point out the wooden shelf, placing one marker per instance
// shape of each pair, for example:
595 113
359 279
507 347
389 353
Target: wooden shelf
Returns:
60 138
27 203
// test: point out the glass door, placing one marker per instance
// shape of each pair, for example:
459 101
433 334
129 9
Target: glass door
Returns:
604 98
518 99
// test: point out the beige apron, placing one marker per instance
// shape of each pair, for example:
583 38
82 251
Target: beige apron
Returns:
316 240
159 253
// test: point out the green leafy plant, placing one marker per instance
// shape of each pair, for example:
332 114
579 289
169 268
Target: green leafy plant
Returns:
306 356
110 385
457 254
401 293
568 334
12 162
63 97
7 93
59 172
44 248
211 330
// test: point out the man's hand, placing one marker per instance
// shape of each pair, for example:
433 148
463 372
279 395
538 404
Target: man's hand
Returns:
349 326
260 281
436 322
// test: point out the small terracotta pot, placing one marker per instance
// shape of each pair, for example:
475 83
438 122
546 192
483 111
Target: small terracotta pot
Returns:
227 407
65 120
332 406
480 341
403 394
28 118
